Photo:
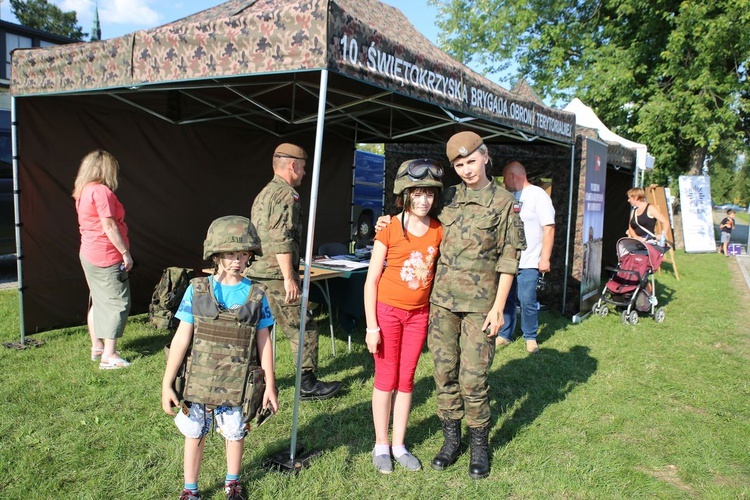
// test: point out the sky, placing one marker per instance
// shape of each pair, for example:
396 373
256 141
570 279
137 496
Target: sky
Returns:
119 17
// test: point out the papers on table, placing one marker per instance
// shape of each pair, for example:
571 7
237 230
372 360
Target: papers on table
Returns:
340 262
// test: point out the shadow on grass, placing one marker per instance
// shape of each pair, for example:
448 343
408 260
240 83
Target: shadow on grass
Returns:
357 364
147 345
665 294
522 388
349 425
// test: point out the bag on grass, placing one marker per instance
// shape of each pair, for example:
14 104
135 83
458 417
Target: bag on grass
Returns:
167 296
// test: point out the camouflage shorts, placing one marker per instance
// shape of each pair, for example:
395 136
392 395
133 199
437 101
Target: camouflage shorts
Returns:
462 355
288 319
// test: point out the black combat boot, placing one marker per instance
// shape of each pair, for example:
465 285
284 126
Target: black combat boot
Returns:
479 466
451 445
312 388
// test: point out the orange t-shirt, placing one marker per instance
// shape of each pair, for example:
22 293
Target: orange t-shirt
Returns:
406 281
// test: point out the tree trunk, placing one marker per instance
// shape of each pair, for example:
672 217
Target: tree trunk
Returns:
697 156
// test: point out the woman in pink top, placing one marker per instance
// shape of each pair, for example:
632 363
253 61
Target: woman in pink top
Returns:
397 304
105 255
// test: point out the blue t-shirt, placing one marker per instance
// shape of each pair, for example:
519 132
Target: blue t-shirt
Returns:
229 297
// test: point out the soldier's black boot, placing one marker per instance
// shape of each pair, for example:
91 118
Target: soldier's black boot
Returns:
479 466
312 388
451 445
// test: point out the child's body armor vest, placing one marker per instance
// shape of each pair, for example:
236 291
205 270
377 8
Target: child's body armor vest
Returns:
224 351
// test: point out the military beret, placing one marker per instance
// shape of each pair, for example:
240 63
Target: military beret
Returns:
288 150
462 144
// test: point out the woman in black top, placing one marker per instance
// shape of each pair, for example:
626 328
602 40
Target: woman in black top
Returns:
643 217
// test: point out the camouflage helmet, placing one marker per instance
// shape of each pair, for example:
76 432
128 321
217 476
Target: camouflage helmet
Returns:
231 233
421 172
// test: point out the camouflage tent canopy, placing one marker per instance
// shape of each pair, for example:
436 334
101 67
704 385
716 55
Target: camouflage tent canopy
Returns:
191 70
199 104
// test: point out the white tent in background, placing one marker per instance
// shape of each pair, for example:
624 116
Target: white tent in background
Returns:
585 117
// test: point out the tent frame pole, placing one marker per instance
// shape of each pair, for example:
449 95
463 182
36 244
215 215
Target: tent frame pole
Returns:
567 237
17 208
293 463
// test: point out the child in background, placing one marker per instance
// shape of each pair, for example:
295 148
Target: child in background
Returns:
726 226
397 304
230 312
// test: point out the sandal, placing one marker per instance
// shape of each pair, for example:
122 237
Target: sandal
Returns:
96 353
113 363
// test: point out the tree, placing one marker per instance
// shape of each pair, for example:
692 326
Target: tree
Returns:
377 148
42 15
669 73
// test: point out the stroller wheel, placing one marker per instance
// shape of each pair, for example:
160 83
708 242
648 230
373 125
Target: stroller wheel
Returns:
659 315
625 317
600 309
633 317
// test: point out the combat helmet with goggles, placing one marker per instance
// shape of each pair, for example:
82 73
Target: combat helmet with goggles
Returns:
231 233
422 172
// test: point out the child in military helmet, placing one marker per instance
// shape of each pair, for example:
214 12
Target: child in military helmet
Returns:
225 316
397 304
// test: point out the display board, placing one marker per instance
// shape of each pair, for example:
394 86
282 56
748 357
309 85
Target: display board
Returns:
697 217
593 222
658 196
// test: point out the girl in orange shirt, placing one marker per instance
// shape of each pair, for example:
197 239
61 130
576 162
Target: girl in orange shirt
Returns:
397 304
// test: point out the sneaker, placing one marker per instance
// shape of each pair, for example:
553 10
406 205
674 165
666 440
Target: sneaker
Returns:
532 347
234 491
501 341
382 463
189 495
409 462
652 300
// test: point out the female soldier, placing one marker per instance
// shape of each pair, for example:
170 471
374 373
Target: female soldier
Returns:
482 240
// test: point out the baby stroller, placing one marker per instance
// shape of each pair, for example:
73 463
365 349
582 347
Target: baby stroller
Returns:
628 289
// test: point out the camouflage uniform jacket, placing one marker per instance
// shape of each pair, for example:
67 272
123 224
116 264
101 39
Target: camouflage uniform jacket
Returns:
277 216
482 237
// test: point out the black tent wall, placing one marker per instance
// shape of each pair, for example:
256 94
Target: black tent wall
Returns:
174 180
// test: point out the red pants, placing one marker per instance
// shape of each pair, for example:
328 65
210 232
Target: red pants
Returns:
402 335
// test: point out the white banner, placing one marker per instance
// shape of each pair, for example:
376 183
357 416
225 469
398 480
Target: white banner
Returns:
697 218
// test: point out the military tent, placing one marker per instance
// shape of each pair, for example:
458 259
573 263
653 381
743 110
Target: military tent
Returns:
193 110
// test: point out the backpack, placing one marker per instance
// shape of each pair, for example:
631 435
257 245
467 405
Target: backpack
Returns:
167 296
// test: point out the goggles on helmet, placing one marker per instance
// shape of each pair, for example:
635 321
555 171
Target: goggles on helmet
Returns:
419 169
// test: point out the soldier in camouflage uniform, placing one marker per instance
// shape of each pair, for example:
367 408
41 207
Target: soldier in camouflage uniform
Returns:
225 320
482 241
277 214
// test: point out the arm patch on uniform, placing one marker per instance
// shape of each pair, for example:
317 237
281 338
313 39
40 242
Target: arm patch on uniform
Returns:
520 234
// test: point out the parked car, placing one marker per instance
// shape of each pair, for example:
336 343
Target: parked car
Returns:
367 194
726 206
7 210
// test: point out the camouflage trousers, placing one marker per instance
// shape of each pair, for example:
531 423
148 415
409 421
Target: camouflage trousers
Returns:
287 318
462 355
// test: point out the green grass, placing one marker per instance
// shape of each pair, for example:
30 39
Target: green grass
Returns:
605 410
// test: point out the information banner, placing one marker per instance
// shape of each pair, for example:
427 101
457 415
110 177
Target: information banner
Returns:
593 222
697 218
